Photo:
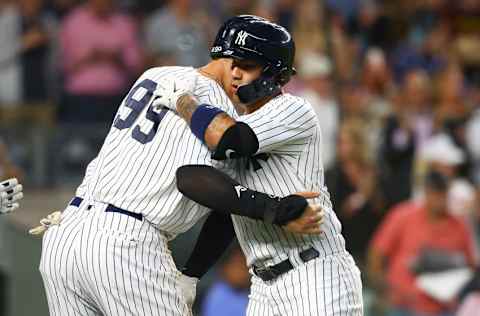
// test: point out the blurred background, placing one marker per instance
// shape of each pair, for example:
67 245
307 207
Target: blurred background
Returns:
395 85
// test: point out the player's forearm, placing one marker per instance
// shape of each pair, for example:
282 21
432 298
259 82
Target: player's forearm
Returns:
217 191
216 235
187 105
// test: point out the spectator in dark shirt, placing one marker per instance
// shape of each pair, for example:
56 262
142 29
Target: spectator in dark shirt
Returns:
36 32
405 132
352 186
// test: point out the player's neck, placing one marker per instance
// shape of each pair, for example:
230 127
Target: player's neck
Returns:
257 104
213 70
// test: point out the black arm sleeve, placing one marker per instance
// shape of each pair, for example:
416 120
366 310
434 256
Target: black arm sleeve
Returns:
216 235
238 140
217 191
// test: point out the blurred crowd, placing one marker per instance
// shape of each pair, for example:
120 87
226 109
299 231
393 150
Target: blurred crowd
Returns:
395 85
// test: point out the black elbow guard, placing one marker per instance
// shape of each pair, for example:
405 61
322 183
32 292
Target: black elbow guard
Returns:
238 141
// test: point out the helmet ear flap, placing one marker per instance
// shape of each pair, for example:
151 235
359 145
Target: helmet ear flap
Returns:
257 89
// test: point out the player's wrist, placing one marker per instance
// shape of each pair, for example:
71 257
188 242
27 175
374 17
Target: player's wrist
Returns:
289 208
203 115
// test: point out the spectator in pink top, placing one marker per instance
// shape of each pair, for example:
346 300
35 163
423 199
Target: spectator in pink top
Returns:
100 54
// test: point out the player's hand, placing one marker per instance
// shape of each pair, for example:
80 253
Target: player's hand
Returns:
170 89
10 194
188 286
309 223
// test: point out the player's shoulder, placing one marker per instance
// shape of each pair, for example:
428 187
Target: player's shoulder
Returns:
291 103
288 100
211 92
156 73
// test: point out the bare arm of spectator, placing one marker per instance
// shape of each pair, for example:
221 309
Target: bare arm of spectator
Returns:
376 264
383 245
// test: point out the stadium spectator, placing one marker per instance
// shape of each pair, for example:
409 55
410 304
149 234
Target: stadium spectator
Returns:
356 102
376 83
452 112
410 236
61 8
10 71
351 183
370 26
441 154
7 168
100 54
472 132
308 28
405 131
37 28
464 18
315 71
428 51
375 74
285 12
229 294
176 35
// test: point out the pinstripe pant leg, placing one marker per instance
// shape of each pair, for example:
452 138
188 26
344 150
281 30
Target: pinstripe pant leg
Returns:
59 273
352 284
328 286
259 303
130 270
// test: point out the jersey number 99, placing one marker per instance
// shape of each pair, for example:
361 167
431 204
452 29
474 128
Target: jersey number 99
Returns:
137 106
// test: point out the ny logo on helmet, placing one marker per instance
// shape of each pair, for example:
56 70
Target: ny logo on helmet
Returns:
241 37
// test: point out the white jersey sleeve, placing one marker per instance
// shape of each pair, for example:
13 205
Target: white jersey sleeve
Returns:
82 188
284 125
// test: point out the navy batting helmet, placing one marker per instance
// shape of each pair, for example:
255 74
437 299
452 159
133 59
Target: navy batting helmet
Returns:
254 38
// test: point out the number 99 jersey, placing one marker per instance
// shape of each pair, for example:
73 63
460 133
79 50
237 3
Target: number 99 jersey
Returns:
135 168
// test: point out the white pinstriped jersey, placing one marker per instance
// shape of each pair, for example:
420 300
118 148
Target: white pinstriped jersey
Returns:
136 172
289 135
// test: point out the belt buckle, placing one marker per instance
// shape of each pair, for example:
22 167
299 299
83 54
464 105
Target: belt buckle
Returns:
266 273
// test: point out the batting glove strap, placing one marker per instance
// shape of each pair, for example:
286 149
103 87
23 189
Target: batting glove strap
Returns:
287 209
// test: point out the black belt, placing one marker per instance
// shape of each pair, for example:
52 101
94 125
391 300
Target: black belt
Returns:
272 272
110 208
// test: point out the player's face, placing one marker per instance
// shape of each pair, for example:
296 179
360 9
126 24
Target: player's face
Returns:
242 72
